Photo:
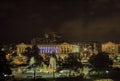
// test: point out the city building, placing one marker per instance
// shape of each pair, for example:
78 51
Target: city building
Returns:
113 49
59 49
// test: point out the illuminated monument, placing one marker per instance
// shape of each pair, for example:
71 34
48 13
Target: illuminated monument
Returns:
32 61
52 63
62 48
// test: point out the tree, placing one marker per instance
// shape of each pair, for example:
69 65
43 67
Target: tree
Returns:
35 53
4 66
72 63
27 52
115 74
101 62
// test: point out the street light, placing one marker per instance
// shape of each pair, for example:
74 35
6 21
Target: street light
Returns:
107 74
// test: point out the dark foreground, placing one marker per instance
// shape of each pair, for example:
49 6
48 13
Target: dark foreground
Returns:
47 79
56 79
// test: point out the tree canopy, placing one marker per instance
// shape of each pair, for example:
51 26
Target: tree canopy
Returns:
101 61
35 53
72 62
4 65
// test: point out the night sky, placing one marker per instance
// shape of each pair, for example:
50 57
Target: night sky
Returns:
74 20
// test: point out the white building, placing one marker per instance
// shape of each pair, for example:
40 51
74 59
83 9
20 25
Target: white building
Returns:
63 48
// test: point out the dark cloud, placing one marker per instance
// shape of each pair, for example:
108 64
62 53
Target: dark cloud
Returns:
81 20
100 29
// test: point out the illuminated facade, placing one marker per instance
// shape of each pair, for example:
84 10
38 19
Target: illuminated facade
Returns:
63 48
21 48
48 49
111 48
